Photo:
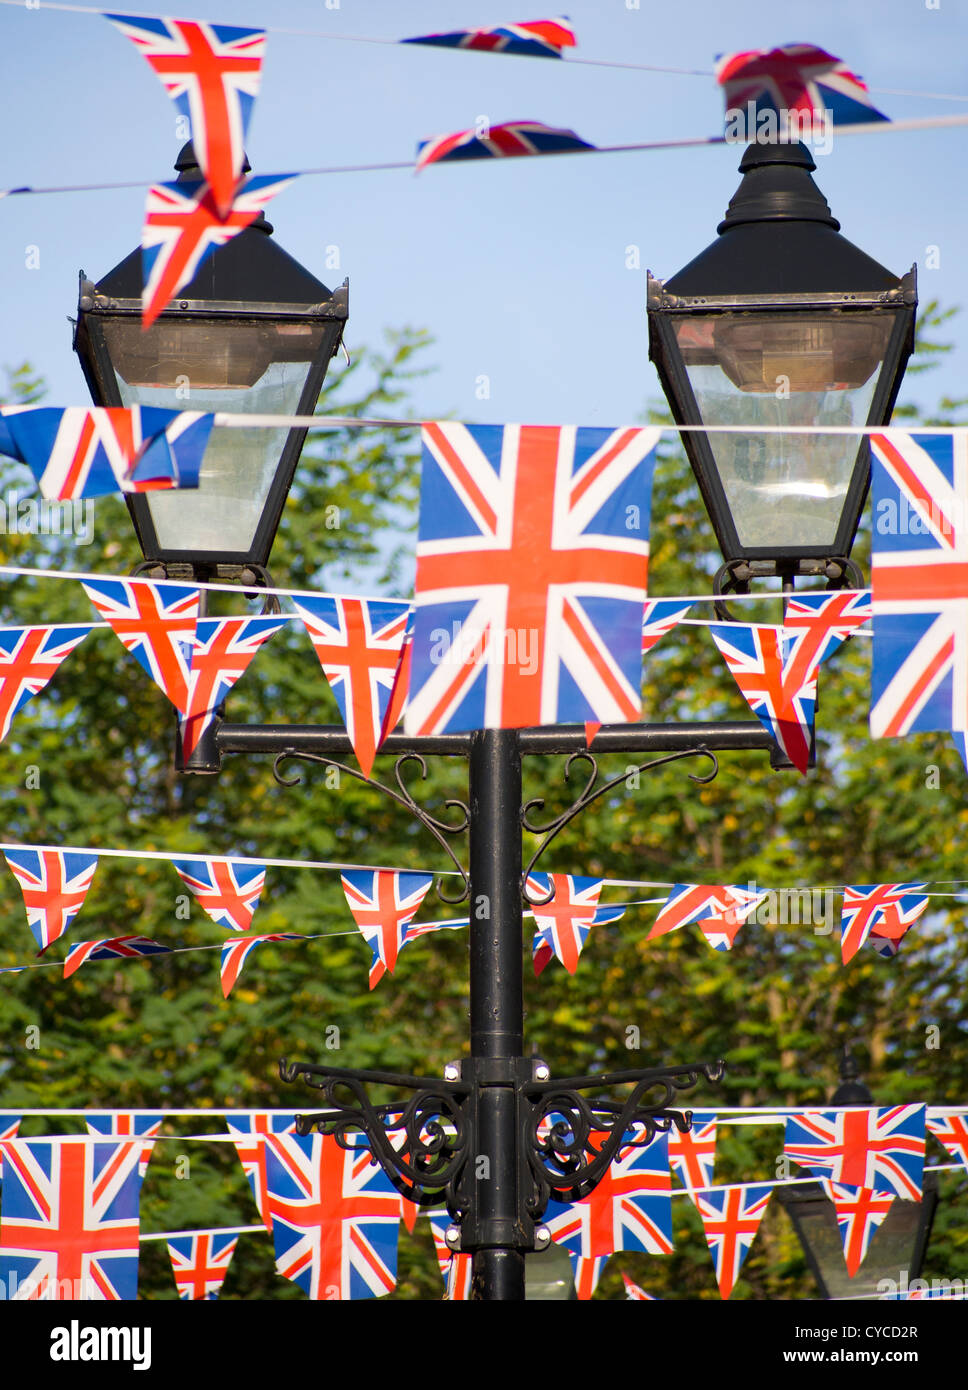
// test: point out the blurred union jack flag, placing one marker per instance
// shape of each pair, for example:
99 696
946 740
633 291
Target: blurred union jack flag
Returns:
456 1266
506 141
919 677
111 948
879 1149
221 654
212 73
156 623
948 1127
54 884
9 1127
534 38
128 1124
228 889
859 1213
235 953
383 903
796 77
885 909
335 1217
692 902
200 1263
251 1127
630 1209
731 1217
69 1223
183 226
359 643
29 658
562 925
532 558
779 695
634 1292
692 1155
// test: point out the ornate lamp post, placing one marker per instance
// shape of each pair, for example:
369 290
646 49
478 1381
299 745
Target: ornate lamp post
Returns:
539 1137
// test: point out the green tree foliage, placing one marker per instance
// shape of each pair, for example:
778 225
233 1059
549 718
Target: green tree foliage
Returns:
89 762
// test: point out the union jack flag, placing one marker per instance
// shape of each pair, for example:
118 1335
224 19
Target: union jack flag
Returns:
782 701
731 1217
508 140
234 954
335 1217
885 908
69 1224
690 902
542 950
586 1274
879 1149
661 616
156 623
128 1125
89 451
212 73
359 644
562 925
228 889
919 676
948 1127
536 38
54 884
456 1266
692 1155
859 1213
183 226
797 77
252 1128
200 1263
635 1293
111 948
29 658
383 903
530 584
815 625
400 690
9 1127
630 1209
221 654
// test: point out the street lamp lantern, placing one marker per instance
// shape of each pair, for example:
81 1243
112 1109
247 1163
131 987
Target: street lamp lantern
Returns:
253 333
781 322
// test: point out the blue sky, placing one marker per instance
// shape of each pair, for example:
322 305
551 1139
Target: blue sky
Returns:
517 268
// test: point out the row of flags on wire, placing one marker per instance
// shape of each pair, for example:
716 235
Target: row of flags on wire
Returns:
69 1217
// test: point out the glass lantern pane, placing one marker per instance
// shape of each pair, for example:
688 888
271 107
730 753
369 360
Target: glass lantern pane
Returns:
889 1256
248 367
776 369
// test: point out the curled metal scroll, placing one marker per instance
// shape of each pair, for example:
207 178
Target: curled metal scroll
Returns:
591 793
423 1145
440 829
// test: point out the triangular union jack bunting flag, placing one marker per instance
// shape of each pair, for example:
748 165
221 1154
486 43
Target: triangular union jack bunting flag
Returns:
29 658
879 1149
690 902
90 451
128 1124
156 623
919 675
251 1129
630 1209
69 1223
783 702
506 141
859 1213
111 948
335 1217
183 226
212 74
400 690
54 884
359 643
586 1274
948 1127
383 903
731 1217
221 654
235 953
692 1155
200 1263
542 947
562 925
814 626
456 1266
532 558
228 889
885 908
534 38
796 80
635 1293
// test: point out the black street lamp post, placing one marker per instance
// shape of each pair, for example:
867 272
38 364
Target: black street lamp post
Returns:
497 1136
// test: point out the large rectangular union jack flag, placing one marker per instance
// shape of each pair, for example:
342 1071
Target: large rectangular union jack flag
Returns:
532 561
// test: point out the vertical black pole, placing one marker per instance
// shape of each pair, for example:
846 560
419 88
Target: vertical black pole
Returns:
497 1009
